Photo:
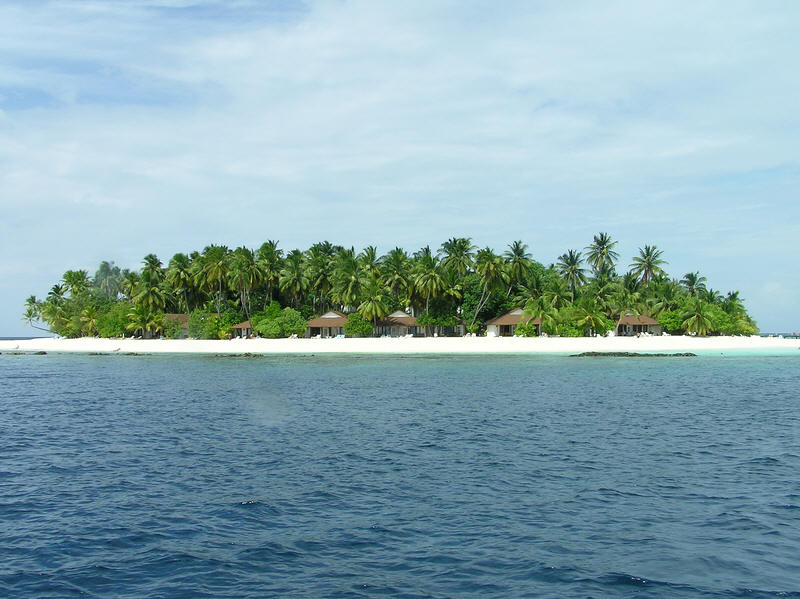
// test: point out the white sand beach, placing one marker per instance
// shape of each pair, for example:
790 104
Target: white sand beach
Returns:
410 346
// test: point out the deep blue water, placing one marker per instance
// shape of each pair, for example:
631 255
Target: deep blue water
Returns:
125 476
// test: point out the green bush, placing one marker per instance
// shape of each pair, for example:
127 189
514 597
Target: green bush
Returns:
356 326
113 321
285 323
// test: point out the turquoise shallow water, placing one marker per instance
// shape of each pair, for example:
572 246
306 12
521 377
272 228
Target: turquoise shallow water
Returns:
511 476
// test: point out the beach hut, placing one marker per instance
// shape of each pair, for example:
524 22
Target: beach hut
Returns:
506 325
330 324
398 324
182 320
243 329
636 324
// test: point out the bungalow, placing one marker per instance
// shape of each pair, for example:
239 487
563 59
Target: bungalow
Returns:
243 329
330 324
506 325
398 324
182 320
634 324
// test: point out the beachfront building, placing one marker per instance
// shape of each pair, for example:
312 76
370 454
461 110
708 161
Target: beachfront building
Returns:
183 322
629 325
330 324
243 329
506 325
398 324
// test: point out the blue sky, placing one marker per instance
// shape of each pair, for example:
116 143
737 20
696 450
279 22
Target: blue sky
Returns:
162 126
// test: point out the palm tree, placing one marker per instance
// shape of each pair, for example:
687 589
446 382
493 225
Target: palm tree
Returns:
293 279
374 304
348 279
144 321
33 312
214 268
732 304
569 267
456 255
243 276
368 261
89 320
539 308
319 270
696 317
270 261
556 295
648 263
179 277
601 254
394 271
591 316
107 279
693 283
76 282
428 280
153 268
518 263
493 275
130 280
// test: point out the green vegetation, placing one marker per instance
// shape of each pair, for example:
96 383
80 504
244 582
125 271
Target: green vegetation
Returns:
278 291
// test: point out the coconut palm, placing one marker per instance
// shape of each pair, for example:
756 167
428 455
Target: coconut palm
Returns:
696 317
243 276
456 255
368 261
89 320
319 270
76 282
107 279
547 315
214 266
493 275
518 264
293 280
144 321
270 261
153 268
556 294
33 312
648 264
693 283
428 280
394 271
569 267
732 304
348 279
601 254
374 304
180 278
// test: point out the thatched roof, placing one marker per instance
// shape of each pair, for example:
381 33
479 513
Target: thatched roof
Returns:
515 316
243 325
331 318
398 319
641 319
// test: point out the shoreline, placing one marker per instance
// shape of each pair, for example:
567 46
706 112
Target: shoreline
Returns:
762 346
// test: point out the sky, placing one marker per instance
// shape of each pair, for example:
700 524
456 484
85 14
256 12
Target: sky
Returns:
166 125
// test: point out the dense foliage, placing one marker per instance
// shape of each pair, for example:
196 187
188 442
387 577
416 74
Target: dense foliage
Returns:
582 293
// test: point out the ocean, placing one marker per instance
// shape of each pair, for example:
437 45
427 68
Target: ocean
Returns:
416 477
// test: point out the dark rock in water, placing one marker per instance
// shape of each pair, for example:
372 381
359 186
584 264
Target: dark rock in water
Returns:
626 354
132 354
244 355
40 353
98 354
